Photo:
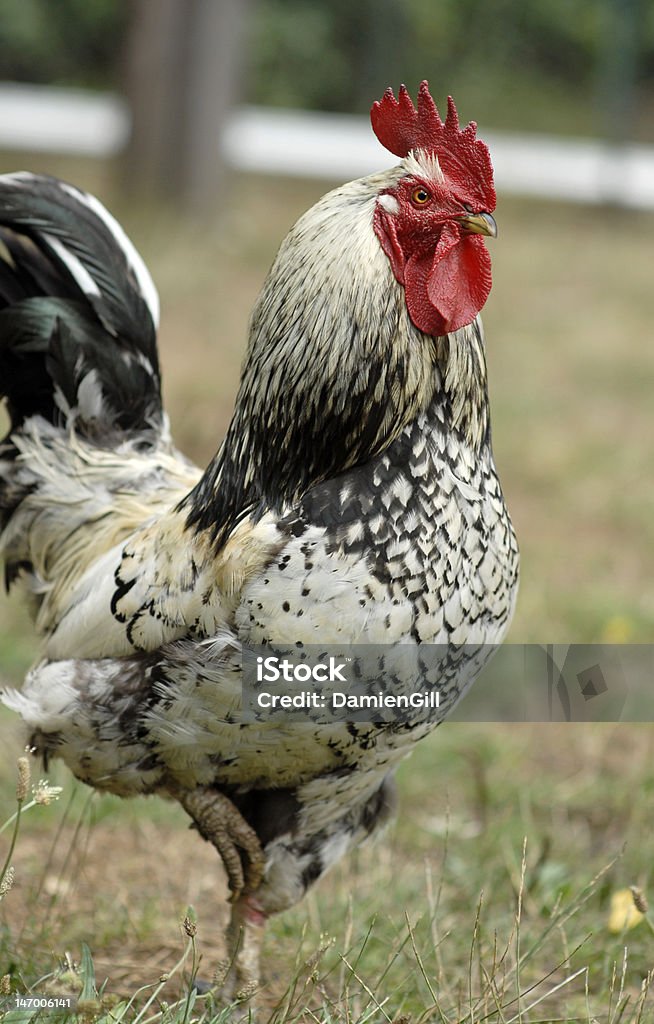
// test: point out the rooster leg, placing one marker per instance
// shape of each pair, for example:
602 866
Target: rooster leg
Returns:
243 939
221 823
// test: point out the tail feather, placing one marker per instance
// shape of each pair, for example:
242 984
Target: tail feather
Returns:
78 313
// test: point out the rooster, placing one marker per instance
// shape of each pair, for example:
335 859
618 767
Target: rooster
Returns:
353 500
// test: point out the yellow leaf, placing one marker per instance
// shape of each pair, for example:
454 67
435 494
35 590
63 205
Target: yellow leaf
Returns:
623 915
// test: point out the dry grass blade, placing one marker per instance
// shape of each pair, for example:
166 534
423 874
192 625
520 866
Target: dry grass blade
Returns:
421 967
564 914
373 998
547 995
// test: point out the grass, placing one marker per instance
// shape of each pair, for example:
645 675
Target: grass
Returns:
442 919
471 922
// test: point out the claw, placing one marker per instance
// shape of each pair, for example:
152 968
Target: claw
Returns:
222 824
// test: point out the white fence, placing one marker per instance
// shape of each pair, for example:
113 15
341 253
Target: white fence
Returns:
330 146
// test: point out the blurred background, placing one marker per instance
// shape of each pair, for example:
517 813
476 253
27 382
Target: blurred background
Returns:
208 126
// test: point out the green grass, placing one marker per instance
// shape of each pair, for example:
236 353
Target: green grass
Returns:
442 909
571 363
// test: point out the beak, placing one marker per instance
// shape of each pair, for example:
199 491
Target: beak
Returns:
478 224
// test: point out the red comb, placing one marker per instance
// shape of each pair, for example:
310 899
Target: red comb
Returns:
400 128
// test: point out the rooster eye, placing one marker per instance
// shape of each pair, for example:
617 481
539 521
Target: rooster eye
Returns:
420 196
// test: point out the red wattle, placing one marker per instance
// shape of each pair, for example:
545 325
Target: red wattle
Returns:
446 289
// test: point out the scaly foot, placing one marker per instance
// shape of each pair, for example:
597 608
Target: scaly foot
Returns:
222 824
243 938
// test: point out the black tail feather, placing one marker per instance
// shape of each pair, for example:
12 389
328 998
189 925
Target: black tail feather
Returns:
77 312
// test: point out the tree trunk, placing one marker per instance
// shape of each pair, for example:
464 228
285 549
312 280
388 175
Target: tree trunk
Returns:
183 64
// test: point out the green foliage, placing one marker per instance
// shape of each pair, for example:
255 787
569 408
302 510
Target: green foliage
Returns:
329 57
70 42
547 65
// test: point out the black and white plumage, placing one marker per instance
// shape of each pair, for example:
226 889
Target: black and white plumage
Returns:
354 500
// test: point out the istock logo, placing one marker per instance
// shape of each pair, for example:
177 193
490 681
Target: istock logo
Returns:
272 669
